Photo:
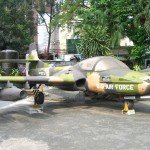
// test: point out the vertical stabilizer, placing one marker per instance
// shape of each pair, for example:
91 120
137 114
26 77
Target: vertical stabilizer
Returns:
33 52
32 58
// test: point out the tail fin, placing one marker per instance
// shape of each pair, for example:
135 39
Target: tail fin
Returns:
32 58
33 55
33 63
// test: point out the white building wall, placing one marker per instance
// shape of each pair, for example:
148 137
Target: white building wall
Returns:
58 40
126 42
55 44
42 35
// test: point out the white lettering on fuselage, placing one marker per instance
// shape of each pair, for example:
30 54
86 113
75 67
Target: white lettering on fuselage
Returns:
124 87
109 86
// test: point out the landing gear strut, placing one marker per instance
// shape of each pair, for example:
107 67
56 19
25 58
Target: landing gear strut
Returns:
128 107
38 96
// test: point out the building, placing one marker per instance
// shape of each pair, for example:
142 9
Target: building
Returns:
63 40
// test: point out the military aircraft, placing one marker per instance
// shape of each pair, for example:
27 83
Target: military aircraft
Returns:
101 75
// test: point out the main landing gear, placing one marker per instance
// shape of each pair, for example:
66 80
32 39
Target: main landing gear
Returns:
128 107
38 96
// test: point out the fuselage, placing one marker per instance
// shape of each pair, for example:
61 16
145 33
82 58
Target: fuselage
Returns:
105 75
127 83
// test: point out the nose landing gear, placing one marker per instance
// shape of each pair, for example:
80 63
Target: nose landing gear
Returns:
38 97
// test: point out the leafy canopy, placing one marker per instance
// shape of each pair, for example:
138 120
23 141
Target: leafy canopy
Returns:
101 24
16 24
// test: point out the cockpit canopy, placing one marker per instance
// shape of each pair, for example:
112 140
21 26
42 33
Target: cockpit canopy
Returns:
101 63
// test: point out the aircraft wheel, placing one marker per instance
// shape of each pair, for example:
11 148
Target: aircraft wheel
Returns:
130 104
39 99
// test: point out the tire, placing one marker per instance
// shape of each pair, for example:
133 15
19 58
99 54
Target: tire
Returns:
39 99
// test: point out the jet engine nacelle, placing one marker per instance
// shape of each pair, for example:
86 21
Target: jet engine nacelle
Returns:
79 84
12 94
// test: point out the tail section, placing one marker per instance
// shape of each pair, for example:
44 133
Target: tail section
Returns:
33 55
32 58
33 63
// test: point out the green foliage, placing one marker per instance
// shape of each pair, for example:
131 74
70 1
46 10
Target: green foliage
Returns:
90 24
94 42
2 72
138 51
135 19
68 12
138 55
16 24
137 67
93 23
15 72
136 22
103 23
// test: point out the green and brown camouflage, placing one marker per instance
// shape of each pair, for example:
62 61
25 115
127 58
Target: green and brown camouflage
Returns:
97 75
103 75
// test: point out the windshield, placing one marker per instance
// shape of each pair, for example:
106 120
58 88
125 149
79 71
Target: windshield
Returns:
89 63
101 63
108 63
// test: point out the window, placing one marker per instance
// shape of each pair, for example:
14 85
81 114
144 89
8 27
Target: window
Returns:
89 64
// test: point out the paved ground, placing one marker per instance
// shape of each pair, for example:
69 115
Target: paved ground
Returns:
73 125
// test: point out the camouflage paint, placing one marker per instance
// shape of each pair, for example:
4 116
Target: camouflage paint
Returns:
127 86
67 78
55 80
30 57
12 79
46 65
110 81
94 84
59 68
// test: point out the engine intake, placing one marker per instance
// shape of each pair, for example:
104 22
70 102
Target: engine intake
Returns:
80 84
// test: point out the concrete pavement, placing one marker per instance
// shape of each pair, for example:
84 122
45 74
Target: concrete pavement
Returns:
73 125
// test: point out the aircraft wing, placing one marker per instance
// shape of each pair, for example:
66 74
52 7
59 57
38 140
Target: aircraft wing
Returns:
49 80
31 79
75 80
17 60
12 87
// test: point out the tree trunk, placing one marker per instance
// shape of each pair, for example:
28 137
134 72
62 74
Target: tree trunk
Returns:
48 45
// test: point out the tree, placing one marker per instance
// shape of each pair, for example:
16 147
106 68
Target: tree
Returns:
50 8
135 16
16 24
110 20
93 32
94 22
